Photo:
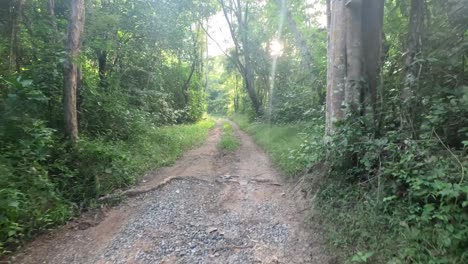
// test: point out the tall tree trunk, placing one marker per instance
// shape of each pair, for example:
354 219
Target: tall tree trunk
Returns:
195 60
185 87
463 60
249 75
102 67
354 52
75 30
236 94
329 70
411 67
207 58
413 48
336 64
373 13
354 55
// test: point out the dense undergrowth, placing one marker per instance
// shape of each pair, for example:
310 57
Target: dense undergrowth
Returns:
381 200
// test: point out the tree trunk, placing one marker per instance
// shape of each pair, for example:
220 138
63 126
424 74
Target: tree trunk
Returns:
373 13
336 64
249 75
250 87
207 58
354 49
354 55
185 87
102 67
75 29
236 95
463 60
413 49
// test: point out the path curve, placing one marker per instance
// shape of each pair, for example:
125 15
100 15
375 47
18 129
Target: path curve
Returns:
209 207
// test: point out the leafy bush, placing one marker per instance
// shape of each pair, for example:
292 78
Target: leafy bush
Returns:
415 190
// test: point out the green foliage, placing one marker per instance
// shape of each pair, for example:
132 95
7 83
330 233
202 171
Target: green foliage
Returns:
362 257
228 140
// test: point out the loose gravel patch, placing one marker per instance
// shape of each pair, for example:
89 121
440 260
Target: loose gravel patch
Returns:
183 221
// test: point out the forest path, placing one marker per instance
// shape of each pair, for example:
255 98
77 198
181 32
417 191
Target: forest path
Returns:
209 207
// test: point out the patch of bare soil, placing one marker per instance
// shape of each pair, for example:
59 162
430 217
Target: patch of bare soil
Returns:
209 207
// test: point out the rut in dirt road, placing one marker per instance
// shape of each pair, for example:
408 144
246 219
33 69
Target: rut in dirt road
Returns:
210 207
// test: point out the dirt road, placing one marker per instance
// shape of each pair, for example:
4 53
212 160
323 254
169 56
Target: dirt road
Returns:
209 207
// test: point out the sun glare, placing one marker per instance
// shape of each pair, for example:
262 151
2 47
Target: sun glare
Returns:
276 48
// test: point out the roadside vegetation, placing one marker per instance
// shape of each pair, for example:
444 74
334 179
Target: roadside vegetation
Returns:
228 140
364 219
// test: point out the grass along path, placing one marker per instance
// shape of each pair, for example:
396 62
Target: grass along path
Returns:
278 141
228 140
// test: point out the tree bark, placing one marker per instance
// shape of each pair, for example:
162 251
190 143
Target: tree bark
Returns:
195 60
354 52
373 13
102 67
413 49
207 58
354 55
336 64
249 75
236 94
75 30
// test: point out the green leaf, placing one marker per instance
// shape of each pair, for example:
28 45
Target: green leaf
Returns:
13 204
26 83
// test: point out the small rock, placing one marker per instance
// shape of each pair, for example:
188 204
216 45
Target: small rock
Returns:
210 230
